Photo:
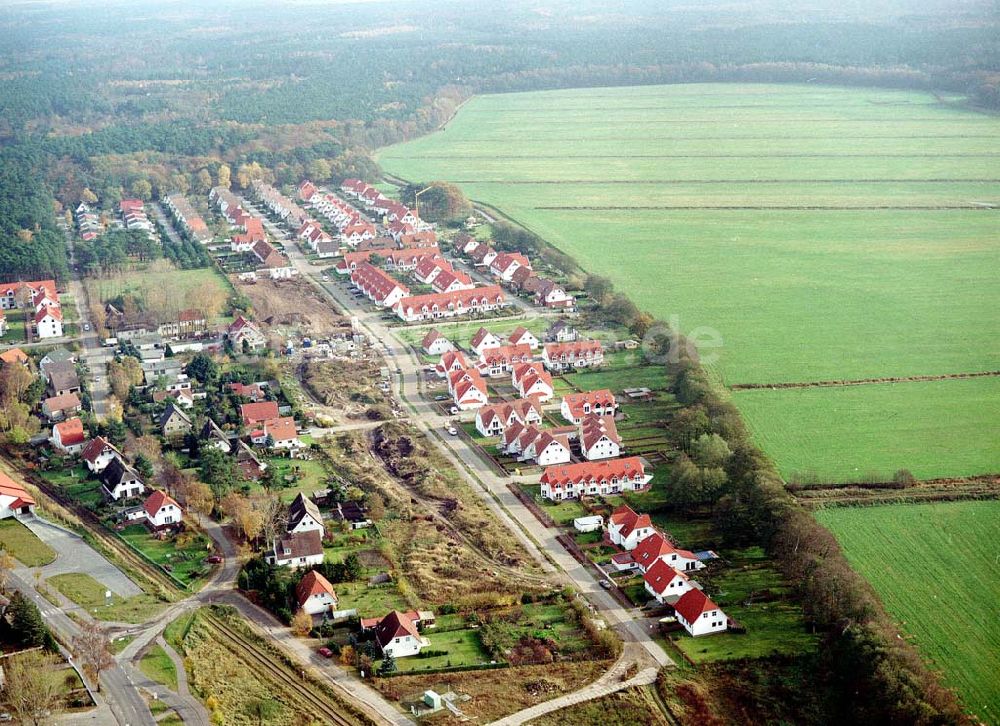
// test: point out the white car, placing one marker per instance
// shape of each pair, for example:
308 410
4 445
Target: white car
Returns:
453 410
86 326
452 430
326 278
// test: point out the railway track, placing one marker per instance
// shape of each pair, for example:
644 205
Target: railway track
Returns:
266 665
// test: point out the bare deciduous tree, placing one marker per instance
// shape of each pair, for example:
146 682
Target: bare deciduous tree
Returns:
31 686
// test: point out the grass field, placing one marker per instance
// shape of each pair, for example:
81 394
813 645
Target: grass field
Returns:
937 569
21 543
88 593
156 664
819 233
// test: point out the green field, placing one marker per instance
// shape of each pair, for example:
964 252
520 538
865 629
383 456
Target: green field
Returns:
937 569
819 233
22 544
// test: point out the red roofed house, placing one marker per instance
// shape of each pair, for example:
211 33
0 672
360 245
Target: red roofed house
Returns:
14 498
14 355
569 356
9 291
497 361
599 438
98 453
626 528
531 379
397 635
547 449
452 281
494 420
468 389
523 336
378 286
254 391
244 334
162 511
506 264
664 582
307 190
551 294
435 344
315 594
451 361
484 339
577 405
698 614
482 255
425 238
450 304
429 268
282 432
657 547
48 322
69 436
257 413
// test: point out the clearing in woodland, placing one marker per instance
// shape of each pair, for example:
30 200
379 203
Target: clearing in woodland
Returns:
824 234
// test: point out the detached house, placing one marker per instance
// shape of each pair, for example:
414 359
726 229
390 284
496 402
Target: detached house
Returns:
304 515
484 340
626 528
299 549
699 615
532 381
505 264
57 408
494 420
243 334
435 344
121 481
665 583
450 362
575 406
162 511
48 322
68 436
599 438
98 453
468 389
174 422
397 635
544 448
14 499
452 281
523 336
315 594
656 547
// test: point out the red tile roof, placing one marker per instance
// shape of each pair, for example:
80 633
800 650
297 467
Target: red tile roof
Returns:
14 355
156 501
576 401
95 447
375 282
395 625
660 575
70 431
252 413
693 603
507 354
624 516
592 428
466 299
11 488
313 583
281 429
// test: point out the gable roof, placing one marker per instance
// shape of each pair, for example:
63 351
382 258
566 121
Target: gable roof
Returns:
70 431
693 603
117 471
281 428
11 488
429 339
156 501
577 401
299 544
480 336
299 508
172 411
62 402
313 583
395 625
593 428
251 413
625 517
14 355
96 446
519 332
660 575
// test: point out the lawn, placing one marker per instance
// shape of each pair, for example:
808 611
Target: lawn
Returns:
75 483
369 601
797 233
183 555
88 593
23 545
302 475
182 284
563 512
937 569
463 648
157 666
854 432
461 333
753 593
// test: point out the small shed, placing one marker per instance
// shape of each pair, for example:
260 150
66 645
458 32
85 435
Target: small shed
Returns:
432 700
588 524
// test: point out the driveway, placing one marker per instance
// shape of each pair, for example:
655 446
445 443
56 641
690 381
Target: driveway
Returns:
75 555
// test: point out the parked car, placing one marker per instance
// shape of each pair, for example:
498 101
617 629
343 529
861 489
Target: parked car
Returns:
441 397
86 326
606 584
326 278
453 410
325 652
215 559
452 430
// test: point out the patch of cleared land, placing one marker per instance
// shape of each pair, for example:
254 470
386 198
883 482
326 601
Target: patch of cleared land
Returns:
937 569
822 233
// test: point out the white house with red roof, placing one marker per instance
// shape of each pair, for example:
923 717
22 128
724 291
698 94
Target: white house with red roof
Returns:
434 343
505 264
429 268
657 547
315 594
244 334
480 299
599 438
468 389
10 291
501 360
484 339
15 500
48 322
68 436
451 361
575 406
608 477
665 583
494 420
626 528
162 511
397 635
279 433
452 281
98 453
575 355
522 336
378 286
546 449
699 615
253 414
